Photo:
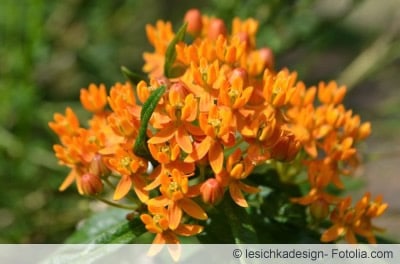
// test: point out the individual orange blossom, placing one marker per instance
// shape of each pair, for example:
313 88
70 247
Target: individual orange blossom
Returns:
157 221
174 190
94 99
279 88
182 111
130 167
262 131
217 125
351 221
65 125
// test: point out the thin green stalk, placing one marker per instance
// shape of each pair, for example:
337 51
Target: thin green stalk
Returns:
122 206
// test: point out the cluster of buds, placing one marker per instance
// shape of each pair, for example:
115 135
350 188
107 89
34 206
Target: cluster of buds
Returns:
212 110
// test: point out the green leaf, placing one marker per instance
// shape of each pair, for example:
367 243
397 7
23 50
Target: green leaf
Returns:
141 148
240 222
170 54
133 77
108 227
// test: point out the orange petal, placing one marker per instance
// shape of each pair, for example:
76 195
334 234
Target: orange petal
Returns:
237 195
163 135
175 216
247 188
138 186
183 140
123 187
68 180
216 157
188 230
332 233
192 209
157 246
199 151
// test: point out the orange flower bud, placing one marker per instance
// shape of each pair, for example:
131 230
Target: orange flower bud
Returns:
267 56
211 191
286 148
194 20
97 166
91 184
239 73
217 27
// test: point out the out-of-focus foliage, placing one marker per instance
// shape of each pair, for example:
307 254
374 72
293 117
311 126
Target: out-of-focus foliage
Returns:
51 49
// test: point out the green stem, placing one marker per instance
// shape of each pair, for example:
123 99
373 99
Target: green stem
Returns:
122 206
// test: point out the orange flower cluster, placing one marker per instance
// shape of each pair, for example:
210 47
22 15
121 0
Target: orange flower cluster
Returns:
225 111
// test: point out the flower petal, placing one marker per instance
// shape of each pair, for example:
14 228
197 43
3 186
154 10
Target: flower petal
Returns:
192 208
237 195
183 140
123 187
216 157
175 215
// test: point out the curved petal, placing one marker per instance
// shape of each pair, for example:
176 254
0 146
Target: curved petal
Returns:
199 150
216 157
188 230
192 209
123 187
183 140
332 233
175 215
163 135
237 195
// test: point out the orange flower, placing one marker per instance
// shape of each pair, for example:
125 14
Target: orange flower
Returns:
94 99
182 111
237 169
174 190
65 126
217 125
350 221
130 167
158 222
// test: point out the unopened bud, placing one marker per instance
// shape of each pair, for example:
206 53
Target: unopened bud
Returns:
91 184
217 27
267 56
239 73
286 148
194 20
97 166
211 191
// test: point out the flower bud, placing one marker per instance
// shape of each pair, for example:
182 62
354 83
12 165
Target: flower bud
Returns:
91 184
286 148
267 56
319 209
239 73
97 166
217 27
211 191
194 20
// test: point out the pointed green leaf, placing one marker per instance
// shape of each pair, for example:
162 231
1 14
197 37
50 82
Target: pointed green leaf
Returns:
148 108
170 54
102 229
133 77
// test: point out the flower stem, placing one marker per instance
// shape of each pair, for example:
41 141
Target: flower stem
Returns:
122 206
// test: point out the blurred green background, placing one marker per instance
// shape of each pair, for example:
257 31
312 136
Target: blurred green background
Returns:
51 49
